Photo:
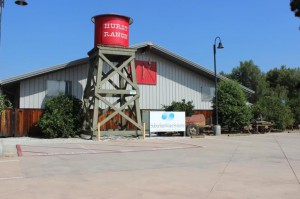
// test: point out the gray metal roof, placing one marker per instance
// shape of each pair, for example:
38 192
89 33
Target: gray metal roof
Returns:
151 46
184 62
44 71
175 58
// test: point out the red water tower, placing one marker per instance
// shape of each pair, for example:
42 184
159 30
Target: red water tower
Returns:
115 90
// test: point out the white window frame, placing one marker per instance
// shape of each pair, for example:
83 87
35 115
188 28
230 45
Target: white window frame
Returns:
56 87
207 94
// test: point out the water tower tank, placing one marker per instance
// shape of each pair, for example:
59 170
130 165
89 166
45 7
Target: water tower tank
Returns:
112 30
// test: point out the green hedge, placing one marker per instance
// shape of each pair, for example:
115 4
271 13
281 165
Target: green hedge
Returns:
62 117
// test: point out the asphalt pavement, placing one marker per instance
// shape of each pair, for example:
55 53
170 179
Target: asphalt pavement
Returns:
252 166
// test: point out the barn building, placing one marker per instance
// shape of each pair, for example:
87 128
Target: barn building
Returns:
123 82
162 77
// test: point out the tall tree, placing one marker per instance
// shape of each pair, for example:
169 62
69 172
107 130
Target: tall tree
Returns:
285 77
249 75
277 107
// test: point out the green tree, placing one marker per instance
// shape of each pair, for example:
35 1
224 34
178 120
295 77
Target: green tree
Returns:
232 105
187 107
249 75
274 109
62 117
286 77
276 85
294 105
284 86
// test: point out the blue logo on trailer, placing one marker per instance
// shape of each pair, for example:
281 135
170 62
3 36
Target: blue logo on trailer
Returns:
168 116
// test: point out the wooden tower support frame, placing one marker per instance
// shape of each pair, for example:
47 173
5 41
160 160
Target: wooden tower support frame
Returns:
120 62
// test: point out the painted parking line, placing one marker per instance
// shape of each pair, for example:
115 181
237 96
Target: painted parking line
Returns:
184 143
4 161
85 150
13 178
75 148
19 151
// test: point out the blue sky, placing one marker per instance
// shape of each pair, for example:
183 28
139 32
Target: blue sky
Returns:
47 33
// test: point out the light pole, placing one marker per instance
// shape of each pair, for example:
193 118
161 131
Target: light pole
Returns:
217 127
18 2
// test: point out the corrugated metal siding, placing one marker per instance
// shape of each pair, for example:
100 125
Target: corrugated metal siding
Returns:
33 90
174 83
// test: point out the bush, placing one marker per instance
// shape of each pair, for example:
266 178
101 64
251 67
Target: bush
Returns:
62 117
232 105
272 109
186 107
4 103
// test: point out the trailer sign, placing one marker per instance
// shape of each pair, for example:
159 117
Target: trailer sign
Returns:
161 121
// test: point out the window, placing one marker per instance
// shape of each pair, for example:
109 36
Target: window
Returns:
55 87
207 93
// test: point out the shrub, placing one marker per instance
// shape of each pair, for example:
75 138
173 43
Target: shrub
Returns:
272 109
62 117
232 105
186 107
4 103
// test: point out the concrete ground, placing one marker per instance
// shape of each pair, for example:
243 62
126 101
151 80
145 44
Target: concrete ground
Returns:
255 166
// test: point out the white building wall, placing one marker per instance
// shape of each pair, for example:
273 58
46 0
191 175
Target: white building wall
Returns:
174 83
33 90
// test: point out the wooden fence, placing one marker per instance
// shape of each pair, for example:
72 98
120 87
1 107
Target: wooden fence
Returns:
22 122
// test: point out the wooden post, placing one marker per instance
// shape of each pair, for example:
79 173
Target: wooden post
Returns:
98 136
144 130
